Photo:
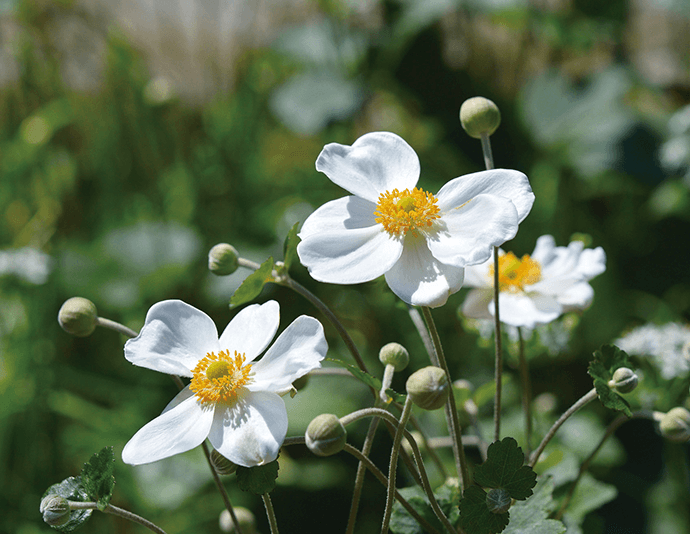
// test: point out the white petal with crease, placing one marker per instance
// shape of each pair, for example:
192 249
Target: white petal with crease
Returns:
251 330
347 213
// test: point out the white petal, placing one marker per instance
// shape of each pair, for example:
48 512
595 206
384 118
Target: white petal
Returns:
420 279
592 263
476 303
505 183
341 214
578 296
251 330
298 350
375 163
251 431
174 338
177 430
468 233
479 275
349 256
544 251
562 262
518 309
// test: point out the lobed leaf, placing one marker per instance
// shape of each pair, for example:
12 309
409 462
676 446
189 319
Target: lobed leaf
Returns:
606 360
258 480
71 489
504 468
97 477
252 285
475 516
530 516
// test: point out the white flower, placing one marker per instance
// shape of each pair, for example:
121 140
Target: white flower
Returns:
535 289
666 346
421 242
231 399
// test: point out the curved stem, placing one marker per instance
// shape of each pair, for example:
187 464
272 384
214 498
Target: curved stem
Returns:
585 399
393 464
526 391
451 410
270 513
424 335
221 488
112 325
114 510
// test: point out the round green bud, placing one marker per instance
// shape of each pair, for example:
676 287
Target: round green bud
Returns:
244 517
428 387
498 500
222 260
78 316
326 435
221 464
675 425
55 510
624 380
479 116
394 354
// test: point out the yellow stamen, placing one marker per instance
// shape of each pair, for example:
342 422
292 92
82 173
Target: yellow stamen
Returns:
514 274
401 212
219 378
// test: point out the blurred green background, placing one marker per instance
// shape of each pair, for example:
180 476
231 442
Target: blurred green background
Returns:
135 136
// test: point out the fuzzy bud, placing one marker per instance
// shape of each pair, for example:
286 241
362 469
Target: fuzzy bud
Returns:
624 380
428 387
498 500
222 260
396 355
326 435
55 510
479 116
78 316
221 464
244 517
675 425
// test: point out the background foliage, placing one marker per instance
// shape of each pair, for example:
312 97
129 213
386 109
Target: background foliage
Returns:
124 172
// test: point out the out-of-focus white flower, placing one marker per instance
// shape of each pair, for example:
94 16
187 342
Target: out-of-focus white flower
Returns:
535 289
421 242
231 399
666 346
28 263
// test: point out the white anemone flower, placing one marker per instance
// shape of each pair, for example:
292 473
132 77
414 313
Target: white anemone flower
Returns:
535 289
421 242
231 399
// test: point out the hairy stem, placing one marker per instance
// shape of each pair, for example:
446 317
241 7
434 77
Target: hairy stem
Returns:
112 325
114 510
270 513
526 392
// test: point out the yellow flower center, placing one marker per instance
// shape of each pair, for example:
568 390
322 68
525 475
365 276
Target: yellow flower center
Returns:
219 378
401 212
515 273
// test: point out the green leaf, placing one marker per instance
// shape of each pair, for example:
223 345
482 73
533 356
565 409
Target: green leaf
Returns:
475 516
253 284
504 468
290 247
71 489
589 495
606 360
97 477
258 480
530 516
447 497
368 379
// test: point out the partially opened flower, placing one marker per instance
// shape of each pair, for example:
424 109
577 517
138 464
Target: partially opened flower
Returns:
232 399
535 289
421 242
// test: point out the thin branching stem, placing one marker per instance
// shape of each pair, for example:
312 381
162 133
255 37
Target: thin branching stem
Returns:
221 489
112 325
114 510
270 513
526 392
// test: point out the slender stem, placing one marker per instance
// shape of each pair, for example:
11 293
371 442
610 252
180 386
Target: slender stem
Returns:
393 464
114 510
270 513
498 367
429 449
584 400
221 488
486 150
424 334
112 325
451 410
526 392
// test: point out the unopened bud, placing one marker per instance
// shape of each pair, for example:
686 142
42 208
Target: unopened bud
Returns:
624 380
221 464
244 517
222 260
675 425
479 116
78 316
498 500
428 387
394 354
326 435
55 510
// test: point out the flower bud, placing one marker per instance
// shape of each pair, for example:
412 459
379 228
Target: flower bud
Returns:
55 510
675 425
78 316
498 500
394 354
326 435
624 380
479 116
428 387
222 260
221 464
244 517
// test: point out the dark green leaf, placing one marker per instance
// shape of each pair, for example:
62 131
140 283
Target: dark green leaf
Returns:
447 497
71 489
368 379
475 516
589 495
253 284
97 477
258 480
606 360
530 516
504 469
290 247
